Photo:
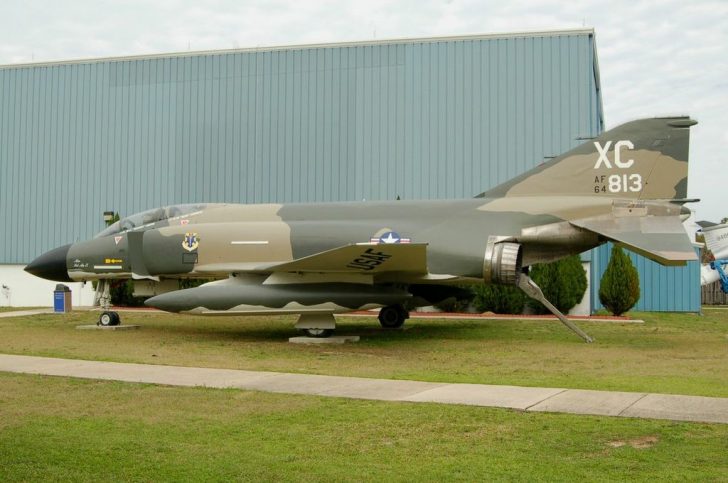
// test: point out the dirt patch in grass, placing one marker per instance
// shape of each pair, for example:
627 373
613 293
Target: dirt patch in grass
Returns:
642 442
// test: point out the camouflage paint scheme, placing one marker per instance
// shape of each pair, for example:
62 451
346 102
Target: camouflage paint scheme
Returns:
628 185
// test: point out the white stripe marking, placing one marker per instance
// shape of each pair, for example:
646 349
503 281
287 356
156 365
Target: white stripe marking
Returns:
110 267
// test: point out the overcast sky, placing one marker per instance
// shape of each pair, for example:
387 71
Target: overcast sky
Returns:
655 57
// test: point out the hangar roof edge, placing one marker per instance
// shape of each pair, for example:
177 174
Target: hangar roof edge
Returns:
358 43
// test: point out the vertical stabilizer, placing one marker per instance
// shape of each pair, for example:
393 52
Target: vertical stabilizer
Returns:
644 159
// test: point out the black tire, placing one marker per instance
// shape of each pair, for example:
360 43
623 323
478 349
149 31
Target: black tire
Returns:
106 319
405 313
318 333
116 318
393 316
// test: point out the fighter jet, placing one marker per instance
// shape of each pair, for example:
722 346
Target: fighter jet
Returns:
627 185
716 239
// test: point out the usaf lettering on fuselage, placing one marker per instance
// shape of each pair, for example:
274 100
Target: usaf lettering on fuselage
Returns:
616 183
369 260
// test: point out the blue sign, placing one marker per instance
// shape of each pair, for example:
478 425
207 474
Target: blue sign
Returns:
59 301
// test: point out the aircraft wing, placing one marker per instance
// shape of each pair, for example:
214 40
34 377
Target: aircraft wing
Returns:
659 238
370 259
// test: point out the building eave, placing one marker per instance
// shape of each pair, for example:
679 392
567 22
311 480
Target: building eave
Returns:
359 43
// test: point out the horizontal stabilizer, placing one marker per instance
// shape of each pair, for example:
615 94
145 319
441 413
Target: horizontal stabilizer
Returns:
353 259
705 224
659 238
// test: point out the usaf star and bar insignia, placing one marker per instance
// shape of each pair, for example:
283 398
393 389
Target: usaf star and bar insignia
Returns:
389 237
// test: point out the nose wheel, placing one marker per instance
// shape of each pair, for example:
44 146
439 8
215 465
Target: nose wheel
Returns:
103 299
393 316
107 319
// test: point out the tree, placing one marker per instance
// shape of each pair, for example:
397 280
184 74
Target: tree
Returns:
122 294
563 282
620 285
500 299
113 219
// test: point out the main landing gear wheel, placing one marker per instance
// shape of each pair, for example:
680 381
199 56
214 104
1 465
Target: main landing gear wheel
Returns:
318 333
107 319
393 316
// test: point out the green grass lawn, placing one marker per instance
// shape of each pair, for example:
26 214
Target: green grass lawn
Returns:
669 353
61 429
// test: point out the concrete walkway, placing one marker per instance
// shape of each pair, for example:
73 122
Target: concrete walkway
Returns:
23 313
602 403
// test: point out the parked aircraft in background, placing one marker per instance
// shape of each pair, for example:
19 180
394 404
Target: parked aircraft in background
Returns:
716 239
628 185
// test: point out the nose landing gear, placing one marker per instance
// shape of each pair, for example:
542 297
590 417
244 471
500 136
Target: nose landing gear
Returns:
103 300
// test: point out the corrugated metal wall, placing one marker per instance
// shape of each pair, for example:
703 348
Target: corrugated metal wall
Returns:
662 289
419 119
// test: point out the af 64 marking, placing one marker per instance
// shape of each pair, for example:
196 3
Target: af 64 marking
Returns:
616 183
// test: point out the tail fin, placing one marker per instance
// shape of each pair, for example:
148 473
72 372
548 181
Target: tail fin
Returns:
644 159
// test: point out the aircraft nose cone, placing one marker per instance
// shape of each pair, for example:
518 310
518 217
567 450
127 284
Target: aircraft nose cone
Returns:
51 265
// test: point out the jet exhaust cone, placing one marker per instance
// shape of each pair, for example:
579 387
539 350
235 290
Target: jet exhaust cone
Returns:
51 265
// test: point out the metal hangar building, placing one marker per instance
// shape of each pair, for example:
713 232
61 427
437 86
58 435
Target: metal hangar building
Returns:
412 118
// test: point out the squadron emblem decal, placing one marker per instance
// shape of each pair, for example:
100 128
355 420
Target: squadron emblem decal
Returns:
190 242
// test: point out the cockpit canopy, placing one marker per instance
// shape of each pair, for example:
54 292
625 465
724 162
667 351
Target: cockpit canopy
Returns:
150 217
